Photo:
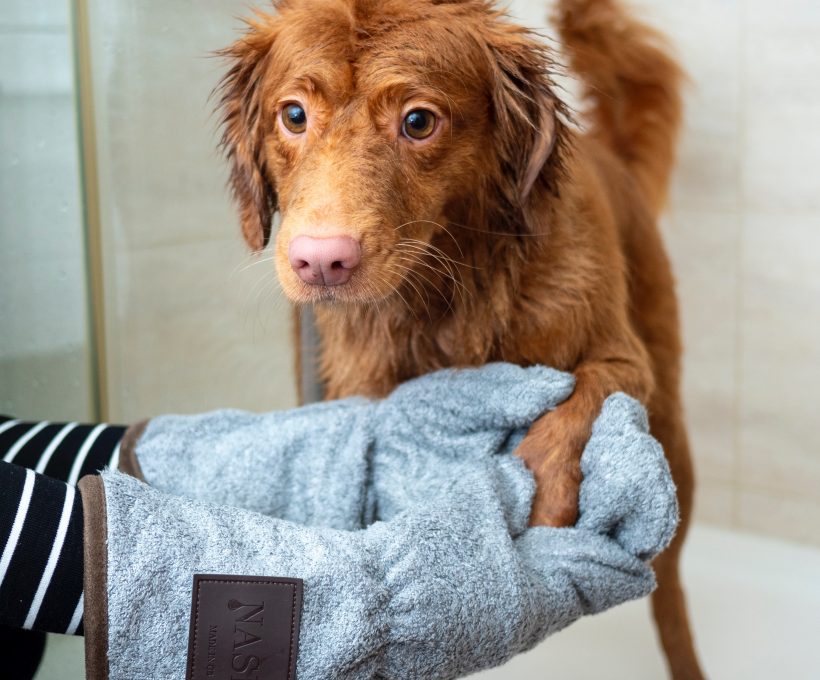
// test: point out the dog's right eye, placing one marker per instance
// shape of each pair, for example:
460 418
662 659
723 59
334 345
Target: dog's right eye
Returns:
294 118
419 124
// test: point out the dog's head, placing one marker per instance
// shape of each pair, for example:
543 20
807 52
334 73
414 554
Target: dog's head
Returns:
371 124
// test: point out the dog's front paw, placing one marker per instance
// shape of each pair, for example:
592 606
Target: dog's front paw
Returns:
552 451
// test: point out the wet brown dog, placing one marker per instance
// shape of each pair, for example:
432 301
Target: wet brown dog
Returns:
438 209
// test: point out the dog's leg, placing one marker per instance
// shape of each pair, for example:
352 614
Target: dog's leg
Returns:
552 448
552 451
671 617
668 601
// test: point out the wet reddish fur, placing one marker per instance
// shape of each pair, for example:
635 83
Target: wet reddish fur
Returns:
509 236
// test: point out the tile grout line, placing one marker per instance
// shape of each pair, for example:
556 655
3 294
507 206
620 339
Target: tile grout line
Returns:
737 452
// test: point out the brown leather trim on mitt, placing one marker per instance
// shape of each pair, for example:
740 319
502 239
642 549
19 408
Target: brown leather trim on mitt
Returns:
95 578
128 450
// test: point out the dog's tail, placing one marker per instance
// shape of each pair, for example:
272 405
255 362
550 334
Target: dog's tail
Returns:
633 85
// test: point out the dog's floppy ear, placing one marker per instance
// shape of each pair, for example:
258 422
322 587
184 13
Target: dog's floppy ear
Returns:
240 105
527 125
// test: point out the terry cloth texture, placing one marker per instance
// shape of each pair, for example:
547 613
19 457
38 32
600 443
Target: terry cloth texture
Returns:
451 584
309 465
346 463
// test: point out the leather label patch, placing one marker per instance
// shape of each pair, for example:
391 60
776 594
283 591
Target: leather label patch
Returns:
244 628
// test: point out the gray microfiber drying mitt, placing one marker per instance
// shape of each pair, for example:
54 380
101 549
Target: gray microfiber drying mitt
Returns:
331 464
451 584
310 465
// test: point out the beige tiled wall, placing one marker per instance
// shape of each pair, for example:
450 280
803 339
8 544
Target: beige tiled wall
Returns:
188 330
743 230
753 319
744 234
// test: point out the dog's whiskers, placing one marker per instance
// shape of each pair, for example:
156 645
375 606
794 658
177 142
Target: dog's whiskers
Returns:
396 290
445 270
438 224
490 232
429 247
416 251
422 249
256 262
427 280
420 289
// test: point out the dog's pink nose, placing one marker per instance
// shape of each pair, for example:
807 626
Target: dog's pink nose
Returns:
324 261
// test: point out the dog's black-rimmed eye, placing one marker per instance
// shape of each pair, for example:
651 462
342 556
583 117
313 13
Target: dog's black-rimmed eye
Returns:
294 118
418 124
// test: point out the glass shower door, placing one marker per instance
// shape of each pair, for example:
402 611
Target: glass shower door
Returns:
45 348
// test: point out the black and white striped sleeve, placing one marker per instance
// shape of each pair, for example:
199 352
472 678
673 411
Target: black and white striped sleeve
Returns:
41 519
64 451
41 552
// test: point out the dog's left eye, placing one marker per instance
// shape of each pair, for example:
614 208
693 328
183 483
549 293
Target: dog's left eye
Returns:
419 124
294 118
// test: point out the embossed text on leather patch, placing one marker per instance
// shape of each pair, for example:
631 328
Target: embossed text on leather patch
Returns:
244 628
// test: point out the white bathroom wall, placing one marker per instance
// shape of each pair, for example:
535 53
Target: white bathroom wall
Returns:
743 230
45 354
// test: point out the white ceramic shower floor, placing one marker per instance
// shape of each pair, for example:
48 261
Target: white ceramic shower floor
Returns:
755 604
